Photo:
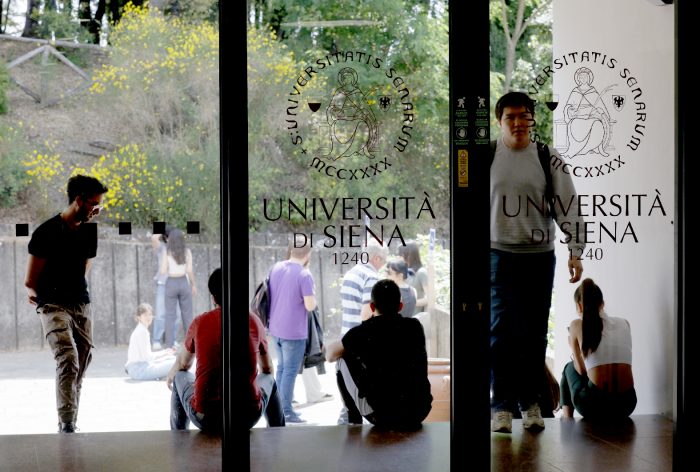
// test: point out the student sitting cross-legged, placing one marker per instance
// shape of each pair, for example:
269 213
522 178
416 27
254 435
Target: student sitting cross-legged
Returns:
142 363
382 365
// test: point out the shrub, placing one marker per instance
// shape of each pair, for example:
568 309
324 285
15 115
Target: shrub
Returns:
4 85
161 86
12 177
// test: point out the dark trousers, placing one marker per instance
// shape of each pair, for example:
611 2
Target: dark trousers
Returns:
177 292
577 391
521 295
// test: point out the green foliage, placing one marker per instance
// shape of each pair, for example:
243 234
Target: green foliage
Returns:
161 85
496 90
411 37
13 147
52 24
193 10
4 85
532 53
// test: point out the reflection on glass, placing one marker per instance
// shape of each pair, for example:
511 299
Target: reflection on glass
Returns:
348 114
141 116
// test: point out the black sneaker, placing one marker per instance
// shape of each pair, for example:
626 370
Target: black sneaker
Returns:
66 427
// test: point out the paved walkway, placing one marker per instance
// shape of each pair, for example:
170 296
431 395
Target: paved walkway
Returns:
110 400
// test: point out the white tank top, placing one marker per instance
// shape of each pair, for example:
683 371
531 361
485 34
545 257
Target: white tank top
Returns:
175 269
615 344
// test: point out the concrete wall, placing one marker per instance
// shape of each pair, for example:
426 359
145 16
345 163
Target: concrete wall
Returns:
121 277
636 276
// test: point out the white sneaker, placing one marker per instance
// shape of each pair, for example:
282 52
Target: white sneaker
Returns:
532 418
502 422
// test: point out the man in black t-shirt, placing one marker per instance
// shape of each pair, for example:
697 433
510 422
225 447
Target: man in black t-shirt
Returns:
382 365
60 253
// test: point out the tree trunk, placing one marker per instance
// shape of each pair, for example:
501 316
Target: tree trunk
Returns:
2 8
513 36
30 23
510 65
115 11
87 21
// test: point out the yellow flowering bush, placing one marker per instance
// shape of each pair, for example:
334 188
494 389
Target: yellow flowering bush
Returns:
143 189
161 85
164 70
43 168
158 92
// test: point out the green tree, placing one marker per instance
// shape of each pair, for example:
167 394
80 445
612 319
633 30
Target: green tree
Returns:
409 35
521 45
512 20
4 84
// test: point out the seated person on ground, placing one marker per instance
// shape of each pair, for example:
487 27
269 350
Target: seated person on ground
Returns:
382 365
198 398
264 396
598 383
142 363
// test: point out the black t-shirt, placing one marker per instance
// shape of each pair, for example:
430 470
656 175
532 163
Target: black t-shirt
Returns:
66 252
386 355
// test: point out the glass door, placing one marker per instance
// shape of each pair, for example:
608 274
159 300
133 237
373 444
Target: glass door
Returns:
348 146
141 115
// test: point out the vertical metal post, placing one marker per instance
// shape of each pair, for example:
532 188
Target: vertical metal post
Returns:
234 231
470 310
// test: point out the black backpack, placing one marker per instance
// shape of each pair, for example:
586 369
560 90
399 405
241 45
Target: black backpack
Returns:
260 304
544 156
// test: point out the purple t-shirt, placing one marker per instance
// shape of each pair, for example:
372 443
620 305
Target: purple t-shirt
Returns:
290 282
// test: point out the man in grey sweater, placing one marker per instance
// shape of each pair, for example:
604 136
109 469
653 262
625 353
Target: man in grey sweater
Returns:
522 261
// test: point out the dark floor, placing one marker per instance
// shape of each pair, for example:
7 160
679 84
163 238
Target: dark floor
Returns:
111 452
350 449
641 444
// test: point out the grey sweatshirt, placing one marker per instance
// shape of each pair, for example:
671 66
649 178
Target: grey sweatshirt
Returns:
519 219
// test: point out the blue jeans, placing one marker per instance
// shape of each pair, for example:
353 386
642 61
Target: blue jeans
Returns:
290 355
182 411
271 404
153 370
521 295
159 315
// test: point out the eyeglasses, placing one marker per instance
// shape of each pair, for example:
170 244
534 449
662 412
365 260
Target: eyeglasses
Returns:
94 204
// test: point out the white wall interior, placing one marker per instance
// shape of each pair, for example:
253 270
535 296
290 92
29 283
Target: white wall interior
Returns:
628 47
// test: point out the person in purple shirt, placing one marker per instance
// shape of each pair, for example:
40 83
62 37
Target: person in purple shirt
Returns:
292 294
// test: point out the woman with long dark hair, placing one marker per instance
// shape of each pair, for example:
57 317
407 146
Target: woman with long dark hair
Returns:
180 285
397 270
598 382
418 275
